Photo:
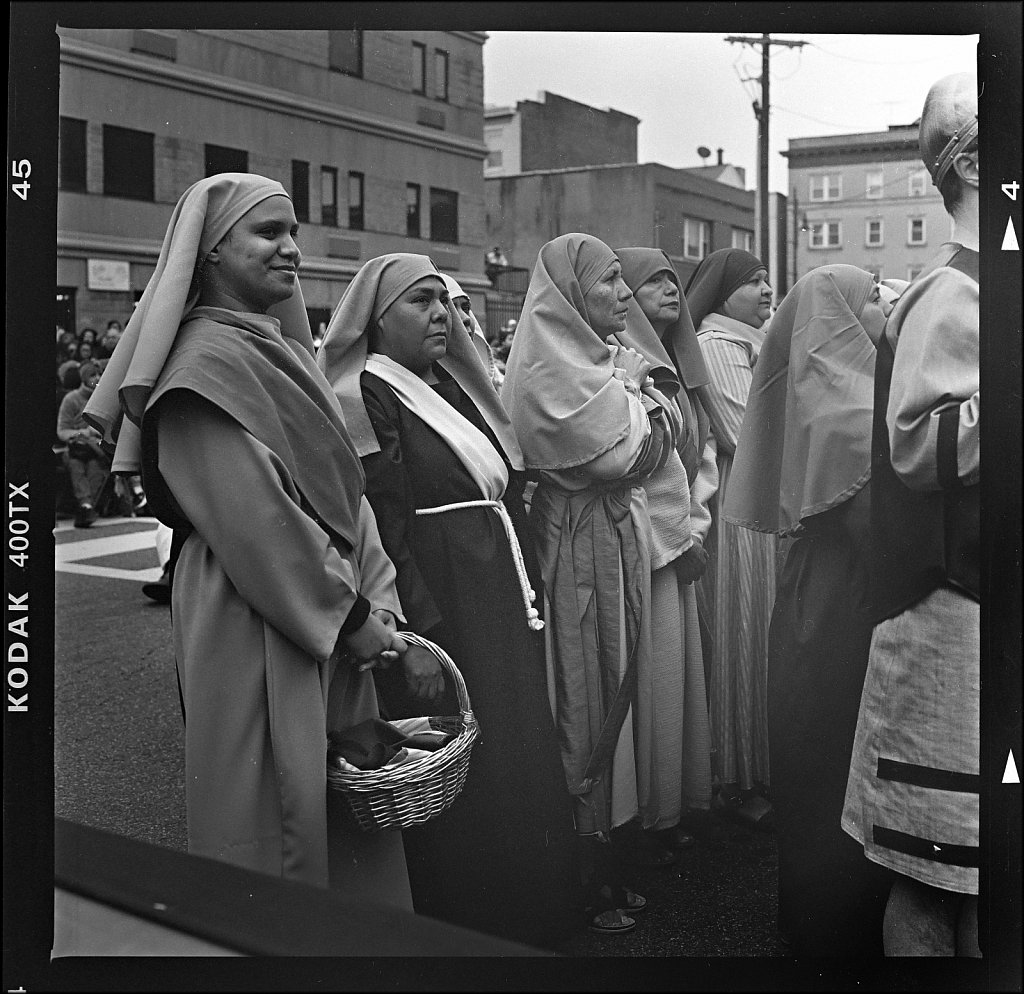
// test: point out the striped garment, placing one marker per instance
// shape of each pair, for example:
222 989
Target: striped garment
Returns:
741 574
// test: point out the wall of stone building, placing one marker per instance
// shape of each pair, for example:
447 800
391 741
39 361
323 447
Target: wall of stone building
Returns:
561 133
104 82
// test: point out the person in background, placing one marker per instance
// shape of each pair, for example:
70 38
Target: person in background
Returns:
444 477
88 334
110 339
593 427
464 306
283 598
802 470
730 299
494 263
87 464
912 798
85 352
680 522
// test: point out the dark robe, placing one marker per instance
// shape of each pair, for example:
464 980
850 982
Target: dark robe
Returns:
500 860
831 899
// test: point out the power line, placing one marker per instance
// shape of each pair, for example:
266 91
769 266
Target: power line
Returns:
873 62
817 120
761 112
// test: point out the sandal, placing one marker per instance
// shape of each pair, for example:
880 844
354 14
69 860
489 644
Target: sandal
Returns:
613 922
633 904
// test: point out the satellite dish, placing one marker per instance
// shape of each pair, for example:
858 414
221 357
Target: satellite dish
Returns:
703 151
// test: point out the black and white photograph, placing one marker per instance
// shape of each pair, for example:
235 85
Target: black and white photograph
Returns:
513 512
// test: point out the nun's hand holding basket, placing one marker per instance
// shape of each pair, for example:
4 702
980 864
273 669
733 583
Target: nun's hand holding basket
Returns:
416 791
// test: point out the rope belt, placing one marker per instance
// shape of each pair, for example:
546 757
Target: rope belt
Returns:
529 595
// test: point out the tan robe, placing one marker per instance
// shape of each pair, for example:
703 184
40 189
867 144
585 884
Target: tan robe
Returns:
260 593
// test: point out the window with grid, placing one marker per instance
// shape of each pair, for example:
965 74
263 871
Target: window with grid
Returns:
874 185
300 189
329 196
824 234
913 272
874 232
825 186
71 153
419 68
127 163
345 51
412 210
221 159
444 215
917 183
696 238
742 239
440 74
916 231
356 217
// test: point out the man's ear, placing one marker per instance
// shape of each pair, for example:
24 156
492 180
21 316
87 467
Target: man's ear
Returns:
966 168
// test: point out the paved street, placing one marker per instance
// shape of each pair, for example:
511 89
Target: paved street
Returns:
119 756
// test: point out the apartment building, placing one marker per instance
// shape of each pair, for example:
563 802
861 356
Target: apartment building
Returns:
865 200
377 135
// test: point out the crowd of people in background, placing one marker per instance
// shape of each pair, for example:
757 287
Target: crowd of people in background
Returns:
693 549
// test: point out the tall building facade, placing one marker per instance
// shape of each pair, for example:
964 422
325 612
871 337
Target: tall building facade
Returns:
649 204
377 136
553 132
863 199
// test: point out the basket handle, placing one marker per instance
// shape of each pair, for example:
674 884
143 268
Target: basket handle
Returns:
448 664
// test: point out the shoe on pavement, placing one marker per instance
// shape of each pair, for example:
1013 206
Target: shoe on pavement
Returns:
86 516
159 590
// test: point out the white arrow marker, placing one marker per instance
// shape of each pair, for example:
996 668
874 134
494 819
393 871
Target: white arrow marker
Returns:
1010 242
1010 773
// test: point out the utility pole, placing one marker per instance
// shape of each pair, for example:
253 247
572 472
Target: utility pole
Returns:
796 241
761 111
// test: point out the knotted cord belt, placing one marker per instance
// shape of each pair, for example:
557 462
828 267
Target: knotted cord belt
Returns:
529 594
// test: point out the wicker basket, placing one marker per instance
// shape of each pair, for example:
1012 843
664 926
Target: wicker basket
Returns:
417 791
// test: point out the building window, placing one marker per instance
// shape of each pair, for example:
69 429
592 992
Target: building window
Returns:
356 217
345 52
127 163
917 183
913 272
412 210
494 158
419 68
874 233
874 186
300 189
826 186
329 196
695 238
825 234
72 154
444 216
743 239
915 231
219 159
440 74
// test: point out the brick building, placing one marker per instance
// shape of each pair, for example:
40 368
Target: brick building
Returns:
865 200
555 132
377 135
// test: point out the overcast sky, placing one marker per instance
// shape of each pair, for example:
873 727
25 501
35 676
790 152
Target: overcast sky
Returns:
687 89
